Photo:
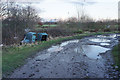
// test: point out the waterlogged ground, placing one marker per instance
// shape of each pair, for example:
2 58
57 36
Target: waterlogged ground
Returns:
89 57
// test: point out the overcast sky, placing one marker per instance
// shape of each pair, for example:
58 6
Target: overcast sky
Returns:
97 9
62 9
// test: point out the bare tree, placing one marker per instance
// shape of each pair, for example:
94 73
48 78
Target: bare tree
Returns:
16 19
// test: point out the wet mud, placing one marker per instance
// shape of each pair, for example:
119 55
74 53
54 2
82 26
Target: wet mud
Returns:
89 57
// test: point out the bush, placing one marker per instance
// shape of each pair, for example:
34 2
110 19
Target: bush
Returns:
107 30
79 31
93 30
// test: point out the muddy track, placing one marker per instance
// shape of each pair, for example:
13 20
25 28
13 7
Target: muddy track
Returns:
89 57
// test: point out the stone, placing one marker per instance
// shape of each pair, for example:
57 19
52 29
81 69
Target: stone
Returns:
38 60
31 75
116 67
74 73
23 73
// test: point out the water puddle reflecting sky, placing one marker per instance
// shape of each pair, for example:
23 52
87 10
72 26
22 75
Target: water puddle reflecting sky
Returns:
60 47
107 36
104 44
118 34
55 49
67 42
99 40
92 51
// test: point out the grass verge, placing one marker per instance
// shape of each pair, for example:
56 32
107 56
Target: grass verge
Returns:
116 55
14 57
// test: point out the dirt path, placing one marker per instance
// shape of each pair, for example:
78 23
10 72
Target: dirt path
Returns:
86 58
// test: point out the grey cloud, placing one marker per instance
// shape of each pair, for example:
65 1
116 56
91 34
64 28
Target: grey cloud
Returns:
81 2
91 3
32 1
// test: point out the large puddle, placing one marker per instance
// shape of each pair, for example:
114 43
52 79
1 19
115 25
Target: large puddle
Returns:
104 38
60 47
93 51
56 48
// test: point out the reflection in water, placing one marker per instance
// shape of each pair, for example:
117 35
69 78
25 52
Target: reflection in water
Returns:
67 42
60 47
92 51
113 36
108 36
99 40
103 44
118 34
55 49
101 36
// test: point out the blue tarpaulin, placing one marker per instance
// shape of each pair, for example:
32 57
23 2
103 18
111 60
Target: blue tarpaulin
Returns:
42 36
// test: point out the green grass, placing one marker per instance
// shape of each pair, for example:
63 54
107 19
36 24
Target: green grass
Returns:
47 25
51 25
14 57
116 55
